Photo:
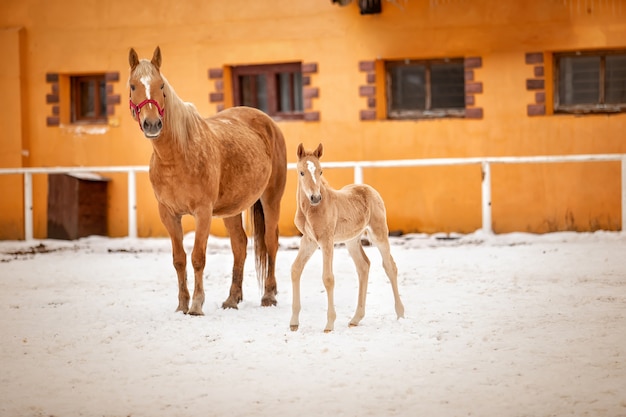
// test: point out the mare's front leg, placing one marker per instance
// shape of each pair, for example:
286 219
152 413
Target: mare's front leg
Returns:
329 282
175 229
307 248
198 258
238 244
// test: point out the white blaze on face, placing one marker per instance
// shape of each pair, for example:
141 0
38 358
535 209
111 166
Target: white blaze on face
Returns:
311 166
145 80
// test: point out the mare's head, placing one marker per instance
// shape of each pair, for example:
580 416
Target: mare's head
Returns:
310 173
147 95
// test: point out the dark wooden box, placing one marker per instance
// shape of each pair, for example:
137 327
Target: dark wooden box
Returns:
77 205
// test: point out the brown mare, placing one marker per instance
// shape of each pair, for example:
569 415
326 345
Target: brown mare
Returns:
219 166
326 216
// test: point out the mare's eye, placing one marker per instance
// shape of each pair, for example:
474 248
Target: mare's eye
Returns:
321 172
132 87
302 173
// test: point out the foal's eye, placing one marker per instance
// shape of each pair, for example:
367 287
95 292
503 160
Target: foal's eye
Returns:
132 87
302 173
162 85
321 172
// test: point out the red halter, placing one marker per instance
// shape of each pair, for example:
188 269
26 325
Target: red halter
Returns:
137 109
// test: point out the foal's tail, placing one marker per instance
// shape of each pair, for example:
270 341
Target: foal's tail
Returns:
260 249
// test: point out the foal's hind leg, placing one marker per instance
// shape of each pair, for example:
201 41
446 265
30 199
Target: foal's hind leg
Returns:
380 237
238 244
362 264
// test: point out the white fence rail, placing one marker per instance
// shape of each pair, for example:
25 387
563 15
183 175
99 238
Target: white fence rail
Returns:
357 166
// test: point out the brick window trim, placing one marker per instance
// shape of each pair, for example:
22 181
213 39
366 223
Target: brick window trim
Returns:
472 87
309 92
536 84
53 97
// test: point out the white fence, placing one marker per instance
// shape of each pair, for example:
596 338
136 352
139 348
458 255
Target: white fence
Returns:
357 166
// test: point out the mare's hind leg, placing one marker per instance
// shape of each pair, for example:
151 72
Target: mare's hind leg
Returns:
271 212
380 237
362 264
238 244
174 228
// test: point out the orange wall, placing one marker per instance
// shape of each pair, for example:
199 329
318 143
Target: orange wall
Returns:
11 206
72 36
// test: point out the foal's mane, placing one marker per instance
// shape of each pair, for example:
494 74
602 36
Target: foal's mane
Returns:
182 120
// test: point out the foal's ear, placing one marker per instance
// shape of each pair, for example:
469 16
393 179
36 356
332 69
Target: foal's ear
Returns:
301 151
319 151
156 58
133 59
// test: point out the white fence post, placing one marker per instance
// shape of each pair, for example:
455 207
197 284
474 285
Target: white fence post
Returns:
358 174
28 206
486 197
132 204
624 194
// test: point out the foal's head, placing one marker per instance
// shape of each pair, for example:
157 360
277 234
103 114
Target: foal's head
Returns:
147 96
310 173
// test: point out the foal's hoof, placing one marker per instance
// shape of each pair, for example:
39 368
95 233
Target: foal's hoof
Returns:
195 312
184 309
293 327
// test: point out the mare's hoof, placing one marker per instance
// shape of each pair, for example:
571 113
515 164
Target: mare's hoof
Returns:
328 330
352 324
229 304
268 301
196 312
293 327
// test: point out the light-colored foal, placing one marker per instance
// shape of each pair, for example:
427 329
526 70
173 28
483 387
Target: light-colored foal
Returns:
326 216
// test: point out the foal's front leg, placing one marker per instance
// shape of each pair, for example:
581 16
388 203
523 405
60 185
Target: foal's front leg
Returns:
307 248
329 282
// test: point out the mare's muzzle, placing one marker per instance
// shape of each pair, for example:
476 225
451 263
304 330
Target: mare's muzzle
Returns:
150 128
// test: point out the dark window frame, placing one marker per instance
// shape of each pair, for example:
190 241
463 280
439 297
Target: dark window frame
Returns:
99 98
271 72
428 112
588 108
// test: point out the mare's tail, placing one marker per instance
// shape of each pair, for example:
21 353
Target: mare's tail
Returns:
260 249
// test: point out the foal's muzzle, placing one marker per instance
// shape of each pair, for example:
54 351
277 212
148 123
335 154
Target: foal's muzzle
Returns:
315 199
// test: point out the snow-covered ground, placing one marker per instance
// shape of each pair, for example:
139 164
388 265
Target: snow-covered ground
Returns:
508 325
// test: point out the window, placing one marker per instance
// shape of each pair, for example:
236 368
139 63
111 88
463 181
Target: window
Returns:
276 89
88 99
590 82
425 89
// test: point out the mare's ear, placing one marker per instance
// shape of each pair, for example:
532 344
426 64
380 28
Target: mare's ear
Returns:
319 151
156 58
133 59
300 151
